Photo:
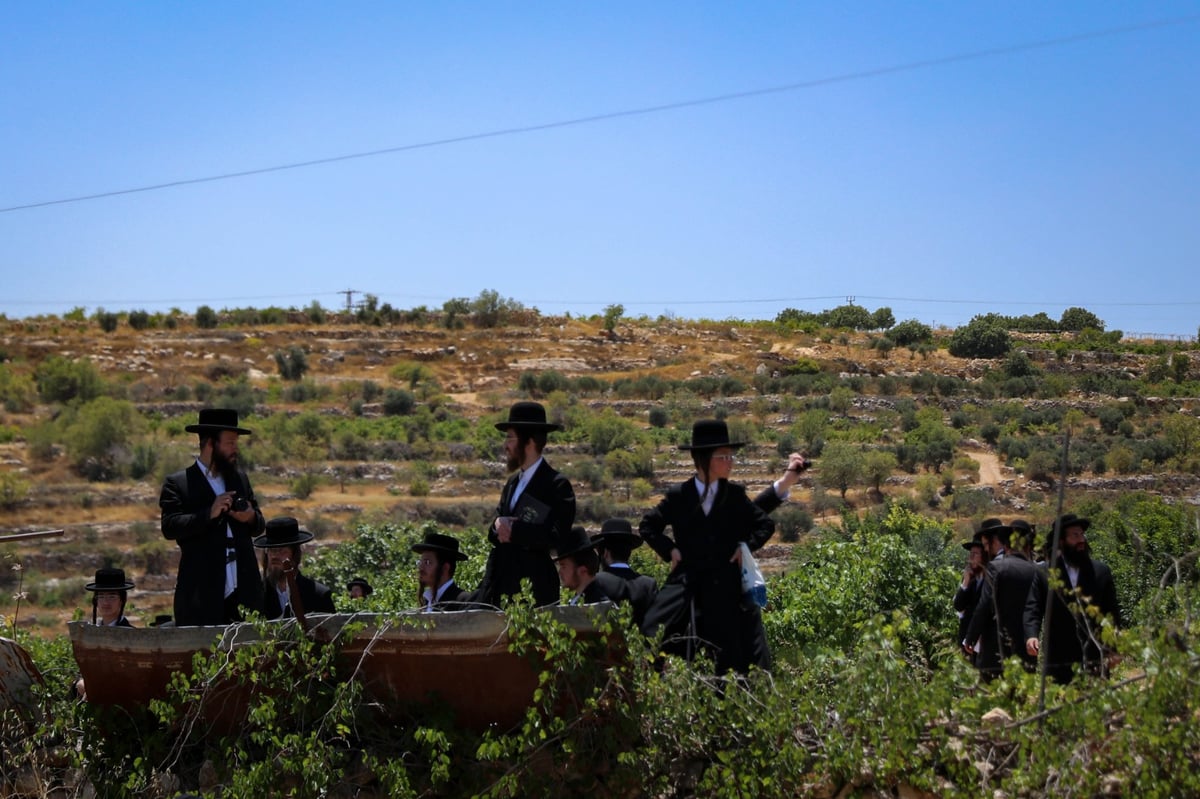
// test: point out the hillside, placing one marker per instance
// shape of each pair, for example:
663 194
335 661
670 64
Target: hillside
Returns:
394 422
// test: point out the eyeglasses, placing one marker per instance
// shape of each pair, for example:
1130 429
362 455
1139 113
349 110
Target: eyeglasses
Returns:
426 561
730 458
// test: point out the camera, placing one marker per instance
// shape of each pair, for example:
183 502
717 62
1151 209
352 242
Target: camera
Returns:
239 504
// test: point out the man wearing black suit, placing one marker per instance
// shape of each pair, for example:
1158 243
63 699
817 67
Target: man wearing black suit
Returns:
282 541
1080 584
615 543
536 511
440 557
209 509
998 622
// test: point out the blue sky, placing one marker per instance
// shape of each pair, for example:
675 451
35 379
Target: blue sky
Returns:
1018 180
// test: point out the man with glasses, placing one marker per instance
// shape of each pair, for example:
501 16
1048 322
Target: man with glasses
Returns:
709 518
440 556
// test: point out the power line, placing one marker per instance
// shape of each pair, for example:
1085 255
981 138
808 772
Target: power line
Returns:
633 112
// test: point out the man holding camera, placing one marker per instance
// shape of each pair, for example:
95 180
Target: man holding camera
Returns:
210 511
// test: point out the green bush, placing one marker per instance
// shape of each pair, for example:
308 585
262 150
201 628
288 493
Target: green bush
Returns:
982 337
292 364
62 380
206 318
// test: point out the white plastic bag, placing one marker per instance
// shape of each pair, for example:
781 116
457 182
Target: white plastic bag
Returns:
753 582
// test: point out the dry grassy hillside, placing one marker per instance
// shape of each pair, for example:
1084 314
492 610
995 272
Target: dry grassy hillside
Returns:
476 373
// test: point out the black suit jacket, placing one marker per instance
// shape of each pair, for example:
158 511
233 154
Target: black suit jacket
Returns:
1072 636
1002 597
314 598
965 601
185 501
549 503
640 590
453 598
727 622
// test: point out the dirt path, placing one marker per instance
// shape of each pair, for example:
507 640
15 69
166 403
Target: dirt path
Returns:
989 467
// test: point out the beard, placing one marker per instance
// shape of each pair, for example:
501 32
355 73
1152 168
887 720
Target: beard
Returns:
1076 556
513 462
226 467
275 574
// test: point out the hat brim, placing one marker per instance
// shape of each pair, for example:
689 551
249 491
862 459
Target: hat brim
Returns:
969 545
215 428
632 539
454 554
303 537
573 552
716 445
128 586
549 427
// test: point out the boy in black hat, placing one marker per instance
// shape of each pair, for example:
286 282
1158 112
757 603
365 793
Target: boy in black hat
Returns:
209 509
359 588
282 541
439 559
110 590
536 511
615 543
709 518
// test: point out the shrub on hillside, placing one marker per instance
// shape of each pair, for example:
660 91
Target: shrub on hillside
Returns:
292 364
62 380
398 402
910 332
206 318
980 338
138 320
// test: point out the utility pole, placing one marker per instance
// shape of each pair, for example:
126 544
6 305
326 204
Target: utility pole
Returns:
349 299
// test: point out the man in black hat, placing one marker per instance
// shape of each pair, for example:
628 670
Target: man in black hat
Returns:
995 534
579 569
615 543
209 509
709 518
440 557
998 620
536 511
282 541
1083 592
966 597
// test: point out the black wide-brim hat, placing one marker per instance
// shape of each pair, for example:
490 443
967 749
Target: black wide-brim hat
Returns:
528 416
282 531
361 583
994 528
214 420
109 580
977 541
1024 529
576 541
617 530
1071 520
436 542
711 434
